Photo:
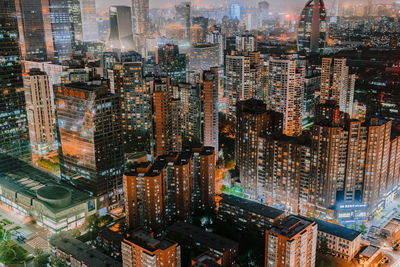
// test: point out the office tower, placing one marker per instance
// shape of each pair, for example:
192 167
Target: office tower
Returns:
175 33
90 136
75 18
236 12
14 138
207 178
120 33
196 34
144 193
182 17
142 249
210 108
253 120
40 111
203 56
170 62
337 84
291 242
246 42
140 12
161 117
243 79
281 160
312 30
203 23
263 10
89 23
183 173
35 33
376 161
135 106
286 92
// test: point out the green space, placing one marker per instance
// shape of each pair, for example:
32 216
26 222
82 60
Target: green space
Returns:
6 222
233 190
11 252
52 166
16 228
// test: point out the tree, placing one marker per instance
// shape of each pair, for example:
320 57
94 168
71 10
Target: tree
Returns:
41 258
57 262
8 255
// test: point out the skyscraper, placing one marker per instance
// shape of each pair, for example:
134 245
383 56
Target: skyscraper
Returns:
14 138
75 18
89 22
161 117
90 136
311 33
140 13
210 106
40 111
286 92
120 33
207 178
203 57
236 12
182 17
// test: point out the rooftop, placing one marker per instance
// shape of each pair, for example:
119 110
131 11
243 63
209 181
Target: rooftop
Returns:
145 240
251 206
291 226
201 236
337 230
84 253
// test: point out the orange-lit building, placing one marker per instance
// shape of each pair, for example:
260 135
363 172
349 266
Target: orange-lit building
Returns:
141 249
196 34
161 117
210 106
207 177
291 242
183 174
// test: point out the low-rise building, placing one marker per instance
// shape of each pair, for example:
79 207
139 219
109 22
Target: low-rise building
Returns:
392 229
78 254
243 211
340 241
39 195
206 260
222 247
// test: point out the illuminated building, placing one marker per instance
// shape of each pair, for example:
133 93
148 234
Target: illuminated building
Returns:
330 112
40 111
210 108
236 12
183 173
140 12
263 10
135 104
14 138
217 38
291 242
243 211
207 178
182 17
89 23
312 84
171 63
221 247
286 92
253 120
246 42
34 193
90 136
175 32
203 23
75 18
243 79
142 249
337 84
203 57
120 33
161 117
196 34
312 29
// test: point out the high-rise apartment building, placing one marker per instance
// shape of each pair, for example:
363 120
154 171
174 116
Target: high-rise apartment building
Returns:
171 63
183 173
337 84
210 108
207 177
182 17
40 111
161 117
291 242
14 138
246 42
140 13
196 34
90 136
253 120
75 18
312 30
203 56
142 249
286 92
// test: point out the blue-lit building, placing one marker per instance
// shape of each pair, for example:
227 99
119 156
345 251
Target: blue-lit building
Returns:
236 12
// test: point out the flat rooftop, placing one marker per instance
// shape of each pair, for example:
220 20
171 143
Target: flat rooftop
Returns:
291 226
337 230
144 240
201 236
84 253
251 206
